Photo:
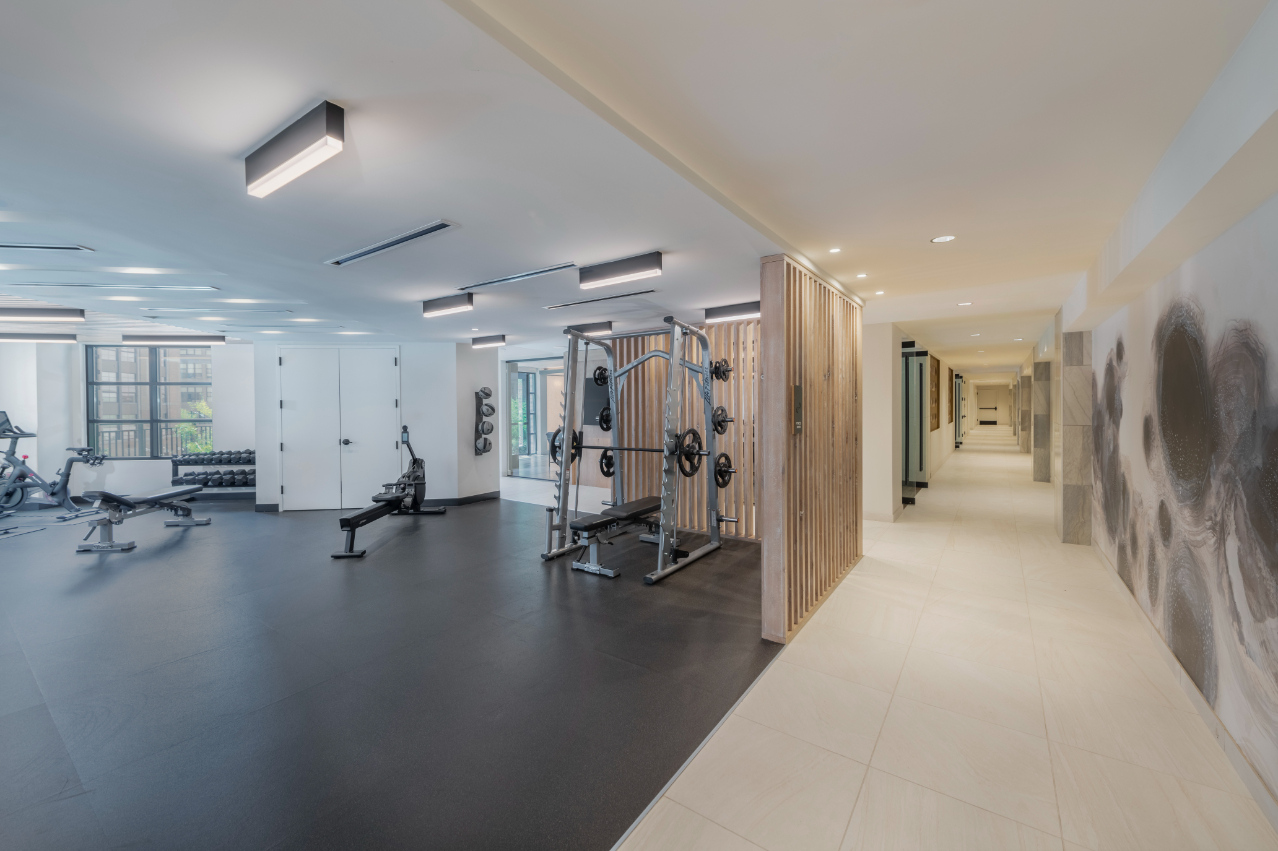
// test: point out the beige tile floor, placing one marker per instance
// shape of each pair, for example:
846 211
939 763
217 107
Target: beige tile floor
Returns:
972 684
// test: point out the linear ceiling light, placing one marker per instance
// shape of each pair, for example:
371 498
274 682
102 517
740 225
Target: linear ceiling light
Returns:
943 239
36 338
448 304
295 150
522 276
116 286
488 342
41 314
619 271
218 309
437 226
593 300
37 246
733 312
172 340
592 329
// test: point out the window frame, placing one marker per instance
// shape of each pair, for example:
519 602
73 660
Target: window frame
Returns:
155 422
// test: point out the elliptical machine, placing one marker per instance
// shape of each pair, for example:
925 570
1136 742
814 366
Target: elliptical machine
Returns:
20 484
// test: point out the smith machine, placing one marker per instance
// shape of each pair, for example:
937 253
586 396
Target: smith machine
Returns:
682 453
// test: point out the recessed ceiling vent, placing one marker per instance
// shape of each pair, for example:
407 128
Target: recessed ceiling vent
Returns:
431 229
37 246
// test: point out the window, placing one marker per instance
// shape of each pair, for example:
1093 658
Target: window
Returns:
150 402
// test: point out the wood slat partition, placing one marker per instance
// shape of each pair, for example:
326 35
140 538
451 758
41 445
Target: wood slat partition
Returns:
811 514
640 423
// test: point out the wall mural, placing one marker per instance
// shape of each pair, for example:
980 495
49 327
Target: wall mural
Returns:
1185 464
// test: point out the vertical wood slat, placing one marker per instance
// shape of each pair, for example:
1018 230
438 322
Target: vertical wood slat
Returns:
811 513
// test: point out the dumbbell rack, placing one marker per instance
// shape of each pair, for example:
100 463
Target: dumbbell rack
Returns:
222 491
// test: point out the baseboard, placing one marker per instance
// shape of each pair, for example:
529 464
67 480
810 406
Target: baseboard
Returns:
461 500
271 507
1252 780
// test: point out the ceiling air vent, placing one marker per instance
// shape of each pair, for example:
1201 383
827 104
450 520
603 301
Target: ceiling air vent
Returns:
394 242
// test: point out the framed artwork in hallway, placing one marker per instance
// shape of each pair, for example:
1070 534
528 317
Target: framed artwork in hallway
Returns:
934 391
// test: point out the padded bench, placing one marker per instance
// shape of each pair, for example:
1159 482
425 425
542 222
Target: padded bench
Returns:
596 529
120 508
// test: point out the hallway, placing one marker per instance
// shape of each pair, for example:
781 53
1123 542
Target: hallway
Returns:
972 684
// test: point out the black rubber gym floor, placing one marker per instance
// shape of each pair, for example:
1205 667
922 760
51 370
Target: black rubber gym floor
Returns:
231 686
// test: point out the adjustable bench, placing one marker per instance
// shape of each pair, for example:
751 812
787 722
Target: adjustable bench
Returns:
120 508
595 529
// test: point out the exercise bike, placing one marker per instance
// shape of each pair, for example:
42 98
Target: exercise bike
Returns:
20 484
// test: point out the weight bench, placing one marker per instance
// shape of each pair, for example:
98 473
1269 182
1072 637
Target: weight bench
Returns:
596 529
120 508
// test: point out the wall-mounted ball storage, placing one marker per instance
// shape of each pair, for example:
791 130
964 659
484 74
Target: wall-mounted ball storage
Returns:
483 426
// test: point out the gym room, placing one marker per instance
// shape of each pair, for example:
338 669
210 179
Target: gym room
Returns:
700 426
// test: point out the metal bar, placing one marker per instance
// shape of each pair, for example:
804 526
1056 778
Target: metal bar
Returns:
670 438
560 534
662 571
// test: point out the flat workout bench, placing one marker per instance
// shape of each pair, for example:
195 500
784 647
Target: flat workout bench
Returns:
596 529
121 508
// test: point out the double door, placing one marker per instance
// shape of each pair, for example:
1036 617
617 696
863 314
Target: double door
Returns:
339 426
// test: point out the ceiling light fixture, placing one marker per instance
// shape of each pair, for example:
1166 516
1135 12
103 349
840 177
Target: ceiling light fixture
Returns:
620 271
116 286
172 340
880 292
36 246
6 337
242 300
221 309
437 226
352 332
295 150
593 300
301 319
592 329
272 332
943 239
1017 340
522 276
124 298
733 312
41 314
976 335
835 250
862 275
964 304
488 342
448 304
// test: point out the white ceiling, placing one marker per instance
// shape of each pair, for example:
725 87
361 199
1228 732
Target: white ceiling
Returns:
1024 128
126 132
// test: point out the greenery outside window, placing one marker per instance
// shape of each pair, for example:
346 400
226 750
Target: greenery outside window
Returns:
150 401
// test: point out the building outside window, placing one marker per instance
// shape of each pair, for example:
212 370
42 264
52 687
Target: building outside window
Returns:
150 401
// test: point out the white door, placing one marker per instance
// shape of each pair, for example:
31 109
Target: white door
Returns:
369 423
310 429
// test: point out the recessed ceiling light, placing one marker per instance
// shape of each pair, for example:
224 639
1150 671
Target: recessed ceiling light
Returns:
305 320
272 332
124 298
964 304
437 226
980 351
862 275
943 239
620 271
474 329
1017 340
835 250
242 300
976 335
295 150
172 340
211 318
115 286
593 300
880 292
522 276
448 304
352 332
140 270
37 246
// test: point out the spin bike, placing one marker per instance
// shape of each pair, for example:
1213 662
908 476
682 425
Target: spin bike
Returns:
19 483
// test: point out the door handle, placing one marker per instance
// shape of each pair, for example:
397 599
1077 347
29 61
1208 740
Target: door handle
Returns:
345 442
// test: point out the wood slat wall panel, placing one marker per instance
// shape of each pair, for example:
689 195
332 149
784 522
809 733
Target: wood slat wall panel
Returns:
642 404
811 518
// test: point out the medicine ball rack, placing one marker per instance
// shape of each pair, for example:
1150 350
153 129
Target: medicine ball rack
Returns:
681 452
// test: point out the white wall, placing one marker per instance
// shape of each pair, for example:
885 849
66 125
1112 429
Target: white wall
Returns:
18 397
428 378
881 421
476 474
233 397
